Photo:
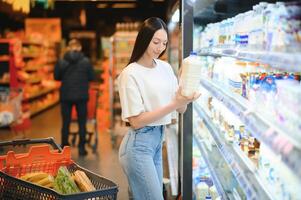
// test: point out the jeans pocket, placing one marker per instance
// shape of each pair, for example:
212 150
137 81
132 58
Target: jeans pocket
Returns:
124 145
143 140
144 129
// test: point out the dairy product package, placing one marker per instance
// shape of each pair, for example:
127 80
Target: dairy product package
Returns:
213 192
201 190
191 74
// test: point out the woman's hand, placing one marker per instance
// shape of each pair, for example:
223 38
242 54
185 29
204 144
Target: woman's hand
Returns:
181 100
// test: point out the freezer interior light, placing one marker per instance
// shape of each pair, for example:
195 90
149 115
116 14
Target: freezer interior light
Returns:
176 16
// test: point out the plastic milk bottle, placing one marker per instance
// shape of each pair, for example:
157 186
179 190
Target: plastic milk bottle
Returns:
191 74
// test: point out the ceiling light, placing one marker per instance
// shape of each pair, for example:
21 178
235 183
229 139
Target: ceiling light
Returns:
124 5
102 5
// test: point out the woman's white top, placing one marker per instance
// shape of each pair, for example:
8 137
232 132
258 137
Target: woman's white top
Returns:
143 89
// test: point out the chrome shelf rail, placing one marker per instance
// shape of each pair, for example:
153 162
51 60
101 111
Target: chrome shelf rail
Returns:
213 174
290 62
243 170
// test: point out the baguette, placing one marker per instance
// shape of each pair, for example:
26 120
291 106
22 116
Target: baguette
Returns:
83 181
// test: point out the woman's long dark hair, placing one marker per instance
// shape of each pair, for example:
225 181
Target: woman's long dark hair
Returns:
145 35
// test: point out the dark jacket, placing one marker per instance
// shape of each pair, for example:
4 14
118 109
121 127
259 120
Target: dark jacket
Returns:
74 71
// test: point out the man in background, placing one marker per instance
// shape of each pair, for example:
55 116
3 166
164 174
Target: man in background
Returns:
75 71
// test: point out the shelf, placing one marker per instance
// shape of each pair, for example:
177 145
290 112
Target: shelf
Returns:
31 69
213 174
4 59
34 81
4 83
290 62
37 111
262 128
30 55
39 94
172 157
51 61
27 42
31 80
242 168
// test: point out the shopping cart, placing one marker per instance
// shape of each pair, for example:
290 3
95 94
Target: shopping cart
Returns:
10 105
92 128
41 158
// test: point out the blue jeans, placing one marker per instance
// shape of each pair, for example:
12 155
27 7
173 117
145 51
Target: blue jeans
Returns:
140 155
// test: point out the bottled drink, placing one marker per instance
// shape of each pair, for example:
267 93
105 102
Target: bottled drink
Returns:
191 74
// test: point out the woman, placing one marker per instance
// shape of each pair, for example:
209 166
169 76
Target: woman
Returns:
149 95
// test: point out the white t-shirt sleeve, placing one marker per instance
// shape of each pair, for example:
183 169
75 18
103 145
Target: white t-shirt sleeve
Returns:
130 97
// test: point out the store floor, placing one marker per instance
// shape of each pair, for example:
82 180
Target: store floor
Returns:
104 162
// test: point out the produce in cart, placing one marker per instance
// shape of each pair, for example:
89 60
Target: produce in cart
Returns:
63 183
83 181
39 178
49 174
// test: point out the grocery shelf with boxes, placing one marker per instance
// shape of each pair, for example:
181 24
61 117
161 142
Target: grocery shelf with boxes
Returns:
4 62
10 94
248 116
27 64
36 75
123 43
10 50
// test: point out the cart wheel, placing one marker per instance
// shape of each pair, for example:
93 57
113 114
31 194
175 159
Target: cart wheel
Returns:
114 140
95 145
94 148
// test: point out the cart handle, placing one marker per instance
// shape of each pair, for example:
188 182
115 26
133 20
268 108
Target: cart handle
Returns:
19 142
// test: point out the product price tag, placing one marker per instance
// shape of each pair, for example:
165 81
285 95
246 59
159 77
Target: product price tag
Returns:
269 132
249 110
287 149
277 143
243 55
236 170
264 57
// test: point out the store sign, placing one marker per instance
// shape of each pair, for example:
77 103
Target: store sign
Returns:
50 28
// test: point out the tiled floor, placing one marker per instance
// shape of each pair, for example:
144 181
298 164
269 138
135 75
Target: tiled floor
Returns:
104 162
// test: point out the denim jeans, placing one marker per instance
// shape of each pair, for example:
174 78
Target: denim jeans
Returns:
140 155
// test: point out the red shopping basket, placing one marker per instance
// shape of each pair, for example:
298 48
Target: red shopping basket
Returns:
41 158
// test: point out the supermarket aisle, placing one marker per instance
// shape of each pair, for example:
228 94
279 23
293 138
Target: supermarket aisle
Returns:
104 163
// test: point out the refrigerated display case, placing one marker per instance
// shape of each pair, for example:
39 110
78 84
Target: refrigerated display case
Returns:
247 122
171 136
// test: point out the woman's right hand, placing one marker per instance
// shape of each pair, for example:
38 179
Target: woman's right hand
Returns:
181 100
